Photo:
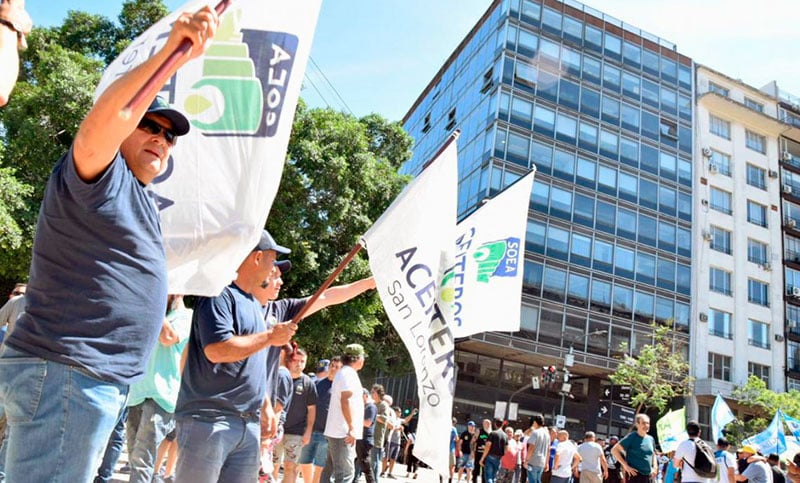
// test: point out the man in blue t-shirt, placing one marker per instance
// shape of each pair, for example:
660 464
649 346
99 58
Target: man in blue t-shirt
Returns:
97 289
224 386
636 453
312 456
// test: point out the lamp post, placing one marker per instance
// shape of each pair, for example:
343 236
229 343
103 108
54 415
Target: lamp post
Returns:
570 358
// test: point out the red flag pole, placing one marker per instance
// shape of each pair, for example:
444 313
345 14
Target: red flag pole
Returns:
346 261
161 74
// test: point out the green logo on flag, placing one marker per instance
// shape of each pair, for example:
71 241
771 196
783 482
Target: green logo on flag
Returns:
497 259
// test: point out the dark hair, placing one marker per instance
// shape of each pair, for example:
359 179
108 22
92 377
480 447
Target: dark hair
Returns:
774 457
497 423
336 359
723 442
301 351
378 388
538 419
348 359
693 428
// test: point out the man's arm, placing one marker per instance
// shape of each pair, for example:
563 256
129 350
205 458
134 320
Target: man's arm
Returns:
341 294
348 416
603 464
103 130
486 449
168 336
311 416
239 347
617 451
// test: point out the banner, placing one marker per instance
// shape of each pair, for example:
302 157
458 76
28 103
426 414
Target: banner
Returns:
671 429
406 247
772 439
794 426
484 284
240 97
721 415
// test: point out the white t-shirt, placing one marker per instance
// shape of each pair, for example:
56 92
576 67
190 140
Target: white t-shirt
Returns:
686 451
725 460
591 453
336 426
565 452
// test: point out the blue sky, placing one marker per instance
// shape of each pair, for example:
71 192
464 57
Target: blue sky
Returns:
380 54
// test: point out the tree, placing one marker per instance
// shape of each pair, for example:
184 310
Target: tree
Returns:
763 403
340 175
658 374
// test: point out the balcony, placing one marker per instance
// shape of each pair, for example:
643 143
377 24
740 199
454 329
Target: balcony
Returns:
720 333
738 111
761 344
712 387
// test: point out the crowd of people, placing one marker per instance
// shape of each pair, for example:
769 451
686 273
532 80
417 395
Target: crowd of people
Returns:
539 454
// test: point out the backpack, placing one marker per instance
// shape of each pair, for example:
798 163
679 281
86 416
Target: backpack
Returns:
705 464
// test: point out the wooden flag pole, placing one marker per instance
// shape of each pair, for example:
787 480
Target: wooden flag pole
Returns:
346 261
161 74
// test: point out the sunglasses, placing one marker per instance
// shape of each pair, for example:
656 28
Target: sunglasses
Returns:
22 44
154 128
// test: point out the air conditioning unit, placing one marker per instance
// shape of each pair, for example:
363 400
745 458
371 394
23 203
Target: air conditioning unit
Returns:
703 317
707 236
778 337
787 189
796 292
767 266
773 173
786 156
707 152
791 223
712 168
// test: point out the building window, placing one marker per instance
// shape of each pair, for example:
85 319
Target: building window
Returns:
719 366
756 106
719 127
760 371
793 319
712 87
721 162
756 213
720 240
756 142
719 324
756 251
720 281
758 292
793 356
721 200
757 334
756 176
451 120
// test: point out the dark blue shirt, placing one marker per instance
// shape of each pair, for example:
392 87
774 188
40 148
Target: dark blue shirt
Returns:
282 310
229 387
370 411
323 402
304 395
97 293
282 392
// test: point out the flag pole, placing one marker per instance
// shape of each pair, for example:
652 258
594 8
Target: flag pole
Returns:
345 261
453 136
161 74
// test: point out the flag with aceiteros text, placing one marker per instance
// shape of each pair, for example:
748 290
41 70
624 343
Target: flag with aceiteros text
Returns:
240 98
406 247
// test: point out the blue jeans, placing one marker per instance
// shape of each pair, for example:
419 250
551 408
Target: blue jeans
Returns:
222 448
315 451
375 457
490 467
113 450
340 462
535 474
148 424
59 417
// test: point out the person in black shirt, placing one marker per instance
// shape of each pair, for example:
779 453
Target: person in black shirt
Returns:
492 452
467 441
778 476
481 438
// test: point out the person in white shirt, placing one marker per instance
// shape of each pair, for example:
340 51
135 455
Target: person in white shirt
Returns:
726 463
566 460
344 425
685 454
593 465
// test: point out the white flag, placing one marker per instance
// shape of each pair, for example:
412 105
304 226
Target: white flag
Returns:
240 98
721 415
405 247
484 285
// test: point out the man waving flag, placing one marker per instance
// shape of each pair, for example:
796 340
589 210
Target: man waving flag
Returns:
240 98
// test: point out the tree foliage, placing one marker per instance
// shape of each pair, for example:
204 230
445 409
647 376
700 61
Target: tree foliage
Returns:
762 403
658 374
340 175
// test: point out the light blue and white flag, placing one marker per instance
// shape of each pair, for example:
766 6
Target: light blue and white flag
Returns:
794 426
721 415
772 439
240 98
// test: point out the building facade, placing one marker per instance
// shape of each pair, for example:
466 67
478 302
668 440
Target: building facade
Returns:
605 113
738 327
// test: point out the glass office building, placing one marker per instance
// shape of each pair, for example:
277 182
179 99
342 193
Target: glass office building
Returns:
604 111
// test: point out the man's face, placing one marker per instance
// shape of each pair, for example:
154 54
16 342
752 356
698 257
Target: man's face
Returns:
375 396
264 262
298 364
471 428
17 292
335 366
147 153
487 425
359 364
643 424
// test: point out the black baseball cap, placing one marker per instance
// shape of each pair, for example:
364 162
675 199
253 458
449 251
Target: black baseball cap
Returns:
160 106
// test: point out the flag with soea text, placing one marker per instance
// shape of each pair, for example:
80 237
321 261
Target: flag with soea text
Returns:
240 98
407 247
483 286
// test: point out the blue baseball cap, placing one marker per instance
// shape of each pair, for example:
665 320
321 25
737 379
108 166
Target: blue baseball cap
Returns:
266 242
160 106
